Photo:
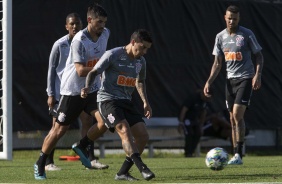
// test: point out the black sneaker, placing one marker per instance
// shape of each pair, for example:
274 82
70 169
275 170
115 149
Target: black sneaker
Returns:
126 177
147 174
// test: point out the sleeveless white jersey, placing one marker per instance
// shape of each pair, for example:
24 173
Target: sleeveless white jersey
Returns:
83 50
57 63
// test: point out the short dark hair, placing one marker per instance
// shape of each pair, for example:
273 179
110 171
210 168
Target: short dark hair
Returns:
95 10
142 35
72 15
233 9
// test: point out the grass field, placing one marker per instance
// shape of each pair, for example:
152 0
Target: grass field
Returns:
168 168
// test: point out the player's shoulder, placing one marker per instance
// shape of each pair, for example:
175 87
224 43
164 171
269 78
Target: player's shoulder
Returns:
107 32
63 41
116 51
80 35
245 30
222 33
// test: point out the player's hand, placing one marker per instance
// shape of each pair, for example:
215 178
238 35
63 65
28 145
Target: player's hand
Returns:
84 92
256 82
147 111
207 90
51 101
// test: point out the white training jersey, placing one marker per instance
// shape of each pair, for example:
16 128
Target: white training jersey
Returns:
83 50
57 63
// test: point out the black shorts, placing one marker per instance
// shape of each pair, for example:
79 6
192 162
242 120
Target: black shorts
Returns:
53 111
70 107
238 91
113 111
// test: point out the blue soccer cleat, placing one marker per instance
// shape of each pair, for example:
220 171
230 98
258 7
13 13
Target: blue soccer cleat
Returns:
37 175
82 154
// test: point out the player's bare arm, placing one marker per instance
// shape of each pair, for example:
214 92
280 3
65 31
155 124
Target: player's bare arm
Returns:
82 70
141 88
51 101
256 83
216 67
89 80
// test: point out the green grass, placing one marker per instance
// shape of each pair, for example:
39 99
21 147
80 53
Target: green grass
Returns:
169 168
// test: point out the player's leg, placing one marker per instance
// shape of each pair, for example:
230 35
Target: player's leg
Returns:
87 122
141 138
49 144
95 131
114 113
243 94
230 97
238 115
68 110
50 163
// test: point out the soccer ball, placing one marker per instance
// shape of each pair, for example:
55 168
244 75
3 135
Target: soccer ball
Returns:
217 159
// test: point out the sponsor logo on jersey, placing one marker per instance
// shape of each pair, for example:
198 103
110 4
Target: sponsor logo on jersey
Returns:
126 81
92 63
231 41
233 56
239 40
123 57
138 67
130 66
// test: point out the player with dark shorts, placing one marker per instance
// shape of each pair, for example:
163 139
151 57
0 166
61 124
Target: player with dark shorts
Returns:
238 91
235 45
120 109
124 70
80 61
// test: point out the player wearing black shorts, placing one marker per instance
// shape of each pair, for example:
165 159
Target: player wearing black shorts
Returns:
124 69
235 45
80 61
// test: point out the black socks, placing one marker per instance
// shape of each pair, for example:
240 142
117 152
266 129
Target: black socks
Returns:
41 163
138 161
50 158
127 164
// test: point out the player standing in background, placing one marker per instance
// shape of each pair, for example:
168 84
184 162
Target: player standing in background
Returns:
87 46
123 69
57 63
235 44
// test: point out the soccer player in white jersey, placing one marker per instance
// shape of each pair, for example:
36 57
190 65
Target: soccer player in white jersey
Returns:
235 45
87 46
57 63
124 69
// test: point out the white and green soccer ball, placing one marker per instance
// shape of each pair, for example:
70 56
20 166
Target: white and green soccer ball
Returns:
217 159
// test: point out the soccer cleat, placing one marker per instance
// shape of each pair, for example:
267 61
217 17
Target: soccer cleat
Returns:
98 165
147 174
37 175
82 154
236 160
126 177
52 167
